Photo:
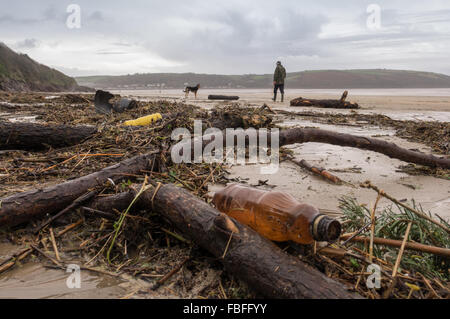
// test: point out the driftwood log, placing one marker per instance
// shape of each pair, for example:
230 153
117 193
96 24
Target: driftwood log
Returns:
22 207
244 253
305 135
335 104
318 171
223 97
32 136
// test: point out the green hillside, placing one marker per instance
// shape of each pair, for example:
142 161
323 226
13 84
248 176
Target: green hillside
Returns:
18 72
321 79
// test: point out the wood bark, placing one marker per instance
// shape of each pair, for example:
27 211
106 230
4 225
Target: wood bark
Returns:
318 171
244 253
22 207
32 136
336 104
304 135
223 97
441 251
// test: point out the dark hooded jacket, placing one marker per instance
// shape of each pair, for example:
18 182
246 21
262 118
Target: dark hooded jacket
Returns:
279 75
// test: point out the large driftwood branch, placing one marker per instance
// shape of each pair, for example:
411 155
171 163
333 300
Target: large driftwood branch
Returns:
336 104
305 135
32 136
244 253
22 207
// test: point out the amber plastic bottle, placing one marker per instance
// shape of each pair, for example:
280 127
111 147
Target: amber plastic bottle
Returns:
276 215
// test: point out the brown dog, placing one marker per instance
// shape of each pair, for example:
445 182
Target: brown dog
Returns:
192 89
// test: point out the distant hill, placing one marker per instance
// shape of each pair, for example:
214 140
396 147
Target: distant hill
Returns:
322 79
18 72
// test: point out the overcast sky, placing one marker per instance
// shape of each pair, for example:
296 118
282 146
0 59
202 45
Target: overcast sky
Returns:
229 37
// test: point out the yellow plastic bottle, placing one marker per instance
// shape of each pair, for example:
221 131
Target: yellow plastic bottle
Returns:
276 215
145 120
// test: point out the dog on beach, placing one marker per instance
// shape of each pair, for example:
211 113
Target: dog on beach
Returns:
192 89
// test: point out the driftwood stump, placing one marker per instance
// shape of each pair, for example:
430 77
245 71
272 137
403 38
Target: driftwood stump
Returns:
32 136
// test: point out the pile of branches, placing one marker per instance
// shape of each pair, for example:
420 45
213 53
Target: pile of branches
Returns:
412 273
237 115
111 143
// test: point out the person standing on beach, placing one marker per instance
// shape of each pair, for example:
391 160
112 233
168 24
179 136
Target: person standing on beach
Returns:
278 81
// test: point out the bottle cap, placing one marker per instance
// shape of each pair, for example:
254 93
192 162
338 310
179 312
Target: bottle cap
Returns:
325 228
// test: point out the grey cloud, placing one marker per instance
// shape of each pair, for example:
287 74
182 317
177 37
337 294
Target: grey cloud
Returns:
110 53
9 19
96 16
50 13
27 44
243 35
39 15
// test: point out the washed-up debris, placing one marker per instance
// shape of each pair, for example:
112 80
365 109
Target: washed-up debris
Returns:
72 98
223 97
32 136
336 104
276 215
423 262
318 171
124 104
145 120
433 133
413 169
103 105
235 115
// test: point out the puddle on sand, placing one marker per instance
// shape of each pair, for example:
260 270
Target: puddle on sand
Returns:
34 281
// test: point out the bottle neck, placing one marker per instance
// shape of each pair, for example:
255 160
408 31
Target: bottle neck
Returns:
325 228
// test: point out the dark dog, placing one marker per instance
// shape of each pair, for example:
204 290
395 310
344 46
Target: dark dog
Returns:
192 89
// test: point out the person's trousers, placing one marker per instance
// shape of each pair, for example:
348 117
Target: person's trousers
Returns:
278 86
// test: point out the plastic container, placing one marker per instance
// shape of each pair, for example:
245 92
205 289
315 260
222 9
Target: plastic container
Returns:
145 120
276 215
